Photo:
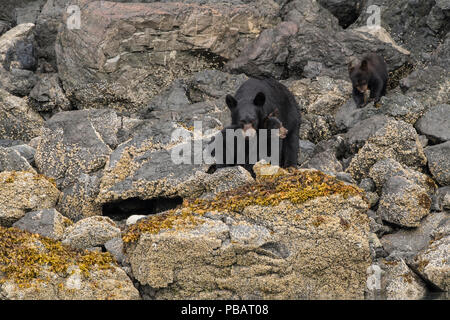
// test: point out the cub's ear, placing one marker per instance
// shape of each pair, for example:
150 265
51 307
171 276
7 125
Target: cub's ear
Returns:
364 65
276 113
231 102
259 100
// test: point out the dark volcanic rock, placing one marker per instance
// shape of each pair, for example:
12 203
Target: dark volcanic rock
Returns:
435 123
439 162
347 11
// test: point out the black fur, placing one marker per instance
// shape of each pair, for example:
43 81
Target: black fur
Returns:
371 72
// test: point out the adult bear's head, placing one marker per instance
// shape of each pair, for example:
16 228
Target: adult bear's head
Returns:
247 113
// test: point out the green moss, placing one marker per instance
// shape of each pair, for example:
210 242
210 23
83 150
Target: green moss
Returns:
23 255
296 186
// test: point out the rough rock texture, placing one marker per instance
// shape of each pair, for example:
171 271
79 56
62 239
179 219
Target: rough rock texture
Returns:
11 160
400 283
127 52
90 232
47 95
309 51
78 200
386 168
407 243
433 262
38 268
396 140
434 124
403 202
22 191
47 222
76 142
279 251
406 21
439 162
17 120
18 60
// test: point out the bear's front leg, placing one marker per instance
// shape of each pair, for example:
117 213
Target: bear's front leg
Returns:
290 148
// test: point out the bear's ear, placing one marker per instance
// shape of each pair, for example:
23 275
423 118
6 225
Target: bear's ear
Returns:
231 102
364 65
259 100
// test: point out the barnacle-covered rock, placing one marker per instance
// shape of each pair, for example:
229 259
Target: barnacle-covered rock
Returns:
292 234
34 267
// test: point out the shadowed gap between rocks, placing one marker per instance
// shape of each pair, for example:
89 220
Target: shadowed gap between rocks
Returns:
120 210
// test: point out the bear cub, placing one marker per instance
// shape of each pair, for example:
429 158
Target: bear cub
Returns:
371 74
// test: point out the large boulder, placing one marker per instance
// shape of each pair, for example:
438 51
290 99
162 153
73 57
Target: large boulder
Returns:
76 142
434 123
403 202
11 160
125 53
39 268
46 222
439 162
432 263
310 51
407 22
301 234
17 120
90 232
22 191
407 243
396 140
18 59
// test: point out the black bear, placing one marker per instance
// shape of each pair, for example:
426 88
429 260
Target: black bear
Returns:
254 101
371 74
270 122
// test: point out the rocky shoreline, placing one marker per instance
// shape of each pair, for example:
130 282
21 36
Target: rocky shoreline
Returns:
93 207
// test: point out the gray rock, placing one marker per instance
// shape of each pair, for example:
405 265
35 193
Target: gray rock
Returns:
47 222
306 150
18 60
48 96
406 21
115 247
408 243
401 107
11 160
78 200
90 232
312 44
428 86
439 162
24 191
434 123
357 136
400 282
403 202
396 140
134 65
433 264
25 151
441 200
76 142
17 120
386 168
367 184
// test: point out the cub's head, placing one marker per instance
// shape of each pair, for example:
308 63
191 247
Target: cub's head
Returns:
360 75
247 114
